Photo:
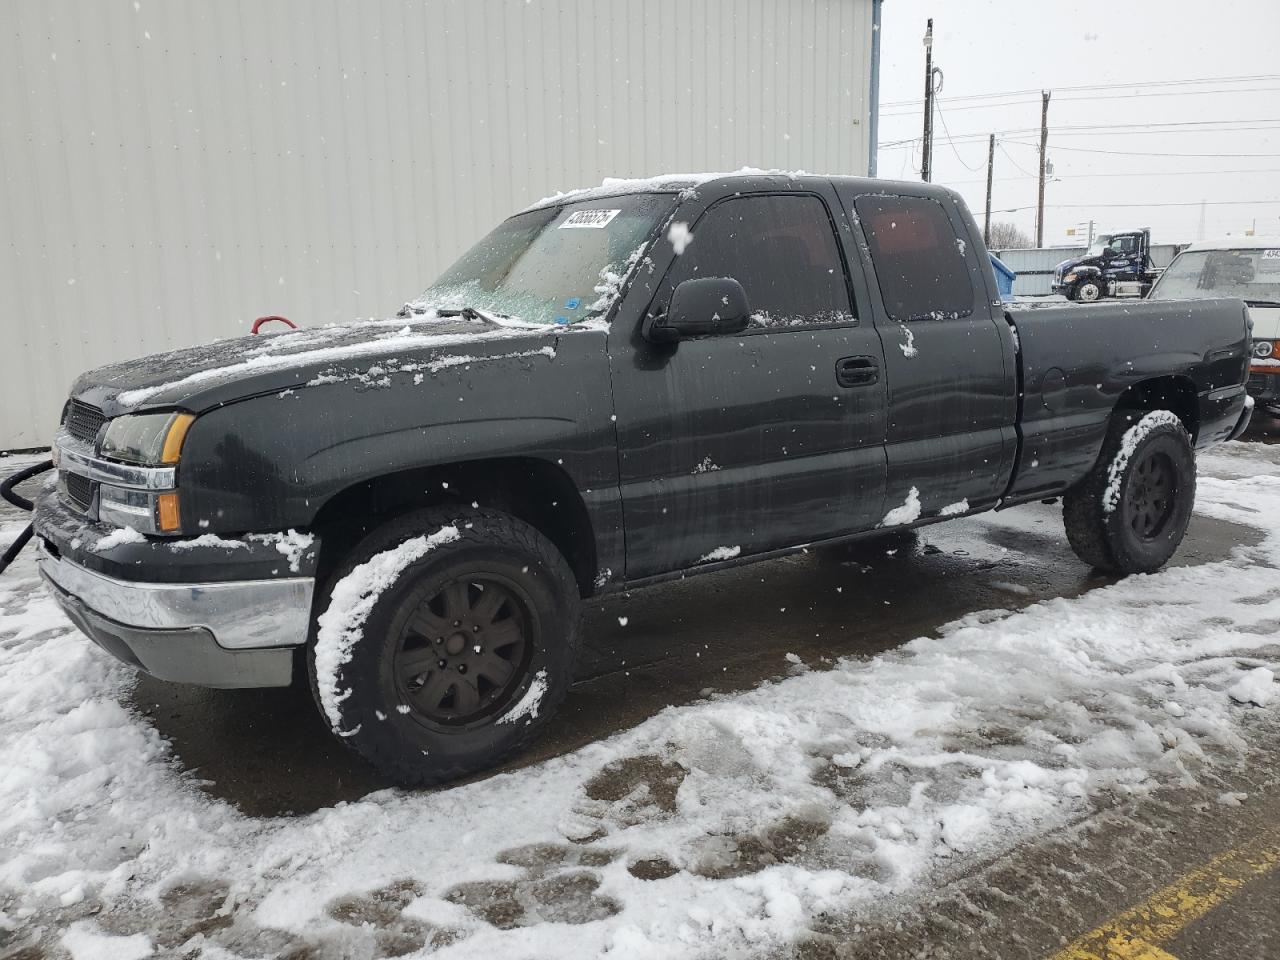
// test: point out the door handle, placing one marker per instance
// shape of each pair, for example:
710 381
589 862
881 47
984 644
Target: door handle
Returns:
857 371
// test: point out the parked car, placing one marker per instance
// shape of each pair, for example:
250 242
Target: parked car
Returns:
1244 267
615 387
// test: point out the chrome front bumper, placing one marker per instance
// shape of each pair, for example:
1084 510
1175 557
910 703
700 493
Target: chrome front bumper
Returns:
230 634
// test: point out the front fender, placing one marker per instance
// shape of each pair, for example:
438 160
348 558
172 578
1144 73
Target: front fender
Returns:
271 462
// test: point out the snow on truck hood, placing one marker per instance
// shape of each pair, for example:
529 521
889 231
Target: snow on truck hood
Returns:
296 357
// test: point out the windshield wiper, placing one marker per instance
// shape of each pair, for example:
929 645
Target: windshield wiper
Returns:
1262 303
466 313
470 313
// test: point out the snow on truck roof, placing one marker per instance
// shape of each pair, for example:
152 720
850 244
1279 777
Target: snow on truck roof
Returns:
1235 243
678 182
662 183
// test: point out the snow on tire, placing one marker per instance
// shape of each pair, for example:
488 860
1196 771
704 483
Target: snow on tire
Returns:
448 640
1130 513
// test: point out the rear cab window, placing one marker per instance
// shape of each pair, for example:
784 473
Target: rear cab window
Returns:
920 263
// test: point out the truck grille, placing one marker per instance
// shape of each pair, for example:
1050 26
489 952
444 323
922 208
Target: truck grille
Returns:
83 421
79 489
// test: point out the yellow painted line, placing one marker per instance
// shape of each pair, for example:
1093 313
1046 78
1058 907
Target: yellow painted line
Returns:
1137 933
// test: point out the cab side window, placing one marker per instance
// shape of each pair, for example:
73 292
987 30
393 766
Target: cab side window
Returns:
919 261
782 249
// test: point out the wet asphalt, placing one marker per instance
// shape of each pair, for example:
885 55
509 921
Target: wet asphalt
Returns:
268 752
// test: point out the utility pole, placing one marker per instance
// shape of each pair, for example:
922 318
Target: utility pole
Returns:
926 159
1044 143
1040 204
991 165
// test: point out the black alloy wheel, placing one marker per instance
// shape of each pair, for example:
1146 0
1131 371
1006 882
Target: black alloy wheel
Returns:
463 651
1150 495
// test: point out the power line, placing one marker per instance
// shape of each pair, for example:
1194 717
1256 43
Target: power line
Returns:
1175 203
1144 173
1146 153
1033 176
1100 86
1072 132
1092 99
1124 129
950 142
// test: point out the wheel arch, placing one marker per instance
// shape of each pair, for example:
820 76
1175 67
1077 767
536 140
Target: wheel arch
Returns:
532 489
1173 392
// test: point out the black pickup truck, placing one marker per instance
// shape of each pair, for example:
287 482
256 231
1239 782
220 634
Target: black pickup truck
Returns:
614 387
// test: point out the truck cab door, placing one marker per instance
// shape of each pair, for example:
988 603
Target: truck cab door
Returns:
738 444
1127 260
950 361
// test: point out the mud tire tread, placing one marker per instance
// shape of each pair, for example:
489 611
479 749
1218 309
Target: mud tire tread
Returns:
1089 529
483 526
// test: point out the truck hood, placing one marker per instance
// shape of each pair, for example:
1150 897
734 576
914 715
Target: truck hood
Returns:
199 378
1066 266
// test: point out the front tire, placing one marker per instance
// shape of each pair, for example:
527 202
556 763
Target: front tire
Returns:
1088 291
1131 512
448 641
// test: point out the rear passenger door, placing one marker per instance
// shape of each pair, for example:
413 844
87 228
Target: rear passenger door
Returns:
949 360
738 444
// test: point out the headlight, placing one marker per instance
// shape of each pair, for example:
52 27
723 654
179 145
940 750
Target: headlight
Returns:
1068 278
150 438
1262 349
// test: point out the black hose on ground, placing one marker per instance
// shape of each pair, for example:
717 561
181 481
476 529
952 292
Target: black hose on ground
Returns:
22 503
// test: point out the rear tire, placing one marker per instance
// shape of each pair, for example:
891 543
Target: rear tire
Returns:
1130 514
449 640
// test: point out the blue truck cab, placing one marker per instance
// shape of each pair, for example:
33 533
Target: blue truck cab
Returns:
1117 264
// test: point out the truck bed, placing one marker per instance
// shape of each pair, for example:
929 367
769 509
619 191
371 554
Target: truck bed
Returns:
1076 361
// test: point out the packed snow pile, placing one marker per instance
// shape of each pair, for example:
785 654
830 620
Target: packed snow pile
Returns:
1257 686
722 827
907 512
720 553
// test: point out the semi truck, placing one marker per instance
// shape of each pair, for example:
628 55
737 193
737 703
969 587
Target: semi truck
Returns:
1115 265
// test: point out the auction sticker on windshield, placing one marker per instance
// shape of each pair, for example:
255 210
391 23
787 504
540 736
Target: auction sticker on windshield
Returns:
589 218
1271 254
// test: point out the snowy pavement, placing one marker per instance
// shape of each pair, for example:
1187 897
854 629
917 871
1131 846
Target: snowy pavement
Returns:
730 825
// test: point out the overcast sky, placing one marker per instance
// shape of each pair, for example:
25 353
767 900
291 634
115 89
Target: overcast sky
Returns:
996 46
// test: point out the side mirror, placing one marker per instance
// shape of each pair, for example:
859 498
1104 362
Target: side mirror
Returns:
700 308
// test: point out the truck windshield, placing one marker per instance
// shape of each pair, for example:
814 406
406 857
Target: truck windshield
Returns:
1252 275
553 265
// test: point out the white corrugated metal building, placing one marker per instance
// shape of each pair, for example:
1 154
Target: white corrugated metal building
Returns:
174 168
